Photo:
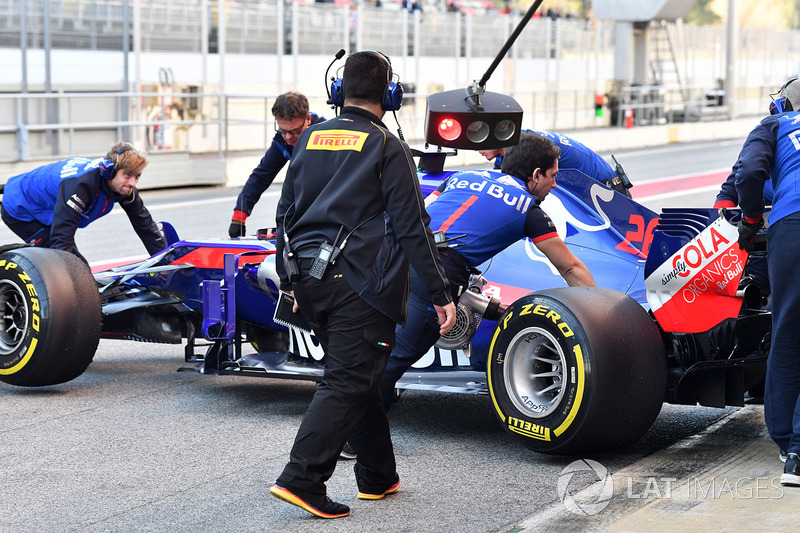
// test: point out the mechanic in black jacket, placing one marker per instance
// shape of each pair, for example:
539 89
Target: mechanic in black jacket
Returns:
353 185
47 205
291 118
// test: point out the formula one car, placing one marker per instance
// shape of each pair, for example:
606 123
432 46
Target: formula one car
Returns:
568 369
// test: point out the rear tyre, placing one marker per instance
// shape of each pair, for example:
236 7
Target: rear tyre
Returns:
50 317
577 369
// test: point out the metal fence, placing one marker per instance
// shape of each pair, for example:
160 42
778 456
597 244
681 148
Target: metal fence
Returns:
555 68
63 124
270 26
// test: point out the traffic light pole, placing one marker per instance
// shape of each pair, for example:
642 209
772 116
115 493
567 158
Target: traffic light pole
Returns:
480 87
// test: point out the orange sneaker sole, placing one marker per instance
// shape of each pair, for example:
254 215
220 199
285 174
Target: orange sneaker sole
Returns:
391 490
288 497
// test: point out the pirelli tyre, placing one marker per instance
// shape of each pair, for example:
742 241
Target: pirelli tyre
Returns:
50 316
577 369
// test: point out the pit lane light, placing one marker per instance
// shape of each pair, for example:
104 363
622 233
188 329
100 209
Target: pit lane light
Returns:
449 129
472 119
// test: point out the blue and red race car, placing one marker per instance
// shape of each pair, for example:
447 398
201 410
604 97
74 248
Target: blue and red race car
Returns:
568 369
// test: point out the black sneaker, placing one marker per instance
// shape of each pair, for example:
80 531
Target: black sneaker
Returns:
782 456
348 452
791 471
371 494
316 504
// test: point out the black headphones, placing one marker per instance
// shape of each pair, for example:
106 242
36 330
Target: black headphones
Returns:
781 104
392 97
122 149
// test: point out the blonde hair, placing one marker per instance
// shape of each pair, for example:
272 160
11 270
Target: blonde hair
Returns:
125 156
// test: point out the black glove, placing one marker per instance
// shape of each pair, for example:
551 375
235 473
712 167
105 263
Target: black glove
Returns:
746 233
237 229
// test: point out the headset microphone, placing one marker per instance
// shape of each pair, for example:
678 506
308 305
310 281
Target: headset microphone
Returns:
781 104
337 88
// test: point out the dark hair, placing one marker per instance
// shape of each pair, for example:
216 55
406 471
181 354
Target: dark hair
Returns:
290 105
532 152
365 78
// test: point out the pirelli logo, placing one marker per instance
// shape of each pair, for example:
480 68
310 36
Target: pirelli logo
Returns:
335 140
527 429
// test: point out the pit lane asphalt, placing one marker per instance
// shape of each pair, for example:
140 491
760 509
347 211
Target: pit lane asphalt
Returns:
133 444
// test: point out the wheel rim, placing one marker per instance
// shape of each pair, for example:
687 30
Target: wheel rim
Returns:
13 317
534 372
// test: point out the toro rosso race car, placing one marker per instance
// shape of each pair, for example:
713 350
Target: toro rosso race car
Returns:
567 369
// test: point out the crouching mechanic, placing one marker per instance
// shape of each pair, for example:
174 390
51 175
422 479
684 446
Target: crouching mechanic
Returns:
489 225
576 156
291 119
47 205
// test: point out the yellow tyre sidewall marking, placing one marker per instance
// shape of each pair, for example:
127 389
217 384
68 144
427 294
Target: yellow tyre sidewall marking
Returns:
580 382
19 366
580 378
33 327
489 365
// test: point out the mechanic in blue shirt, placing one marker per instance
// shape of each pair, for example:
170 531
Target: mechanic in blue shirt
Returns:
291 119
772 153
47 205
493 212
728 197
575 156
756 267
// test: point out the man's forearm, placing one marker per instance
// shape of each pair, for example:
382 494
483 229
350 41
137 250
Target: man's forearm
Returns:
578 276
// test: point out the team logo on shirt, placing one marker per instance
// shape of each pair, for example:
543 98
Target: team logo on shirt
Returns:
335 140
504 188
76 204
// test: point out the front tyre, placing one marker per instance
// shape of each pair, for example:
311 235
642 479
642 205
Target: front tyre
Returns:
576 369
50 318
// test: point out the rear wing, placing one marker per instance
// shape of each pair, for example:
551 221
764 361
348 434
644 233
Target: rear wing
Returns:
693 271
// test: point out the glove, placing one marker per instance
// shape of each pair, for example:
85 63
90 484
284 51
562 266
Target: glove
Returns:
237 228
747 231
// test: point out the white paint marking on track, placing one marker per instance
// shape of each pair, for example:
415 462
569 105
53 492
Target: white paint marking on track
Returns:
674 194
192 203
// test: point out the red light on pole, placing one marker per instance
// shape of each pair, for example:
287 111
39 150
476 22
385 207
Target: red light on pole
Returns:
449 129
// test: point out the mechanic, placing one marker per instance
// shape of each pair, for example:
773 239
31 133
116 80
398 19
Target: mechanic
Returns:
352 212
47 205
291 119
475 205
770 153
576 156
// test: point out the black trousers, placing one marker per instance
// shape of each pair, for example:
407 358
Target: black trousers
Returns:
782 390
347 405
421 330
33 232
